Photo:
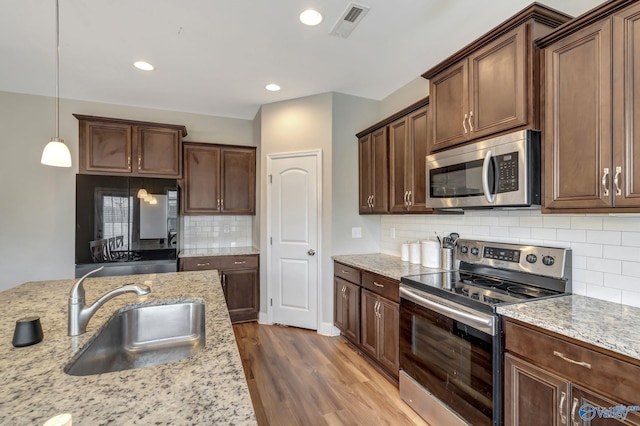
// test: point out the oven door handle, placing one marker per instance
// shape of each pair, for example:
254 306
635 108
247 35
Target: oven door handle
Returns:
491 198
464 317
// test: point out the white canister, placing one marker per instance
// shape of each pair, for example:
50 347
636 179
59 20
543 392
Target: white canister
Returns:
404 252
430 254
414 253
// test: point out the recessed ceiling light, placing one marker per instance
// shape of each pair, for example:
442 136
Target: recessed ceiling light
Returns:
144 66
272 87
311 17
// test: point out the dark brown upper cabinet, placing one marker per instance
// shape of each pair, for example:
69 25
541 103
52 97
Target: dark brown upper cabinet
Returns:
490 86
219 179
408 146
373 172
111 146
591 87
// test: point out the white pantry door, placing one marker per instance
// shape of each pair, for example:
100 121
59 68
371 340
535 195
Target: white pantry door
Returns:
293 195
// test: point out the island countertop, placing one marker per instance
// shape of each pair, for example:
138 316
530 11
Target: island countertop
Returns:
207 388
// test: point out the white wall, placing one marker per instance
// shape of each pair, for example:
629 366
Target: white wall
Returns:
605 248
37 207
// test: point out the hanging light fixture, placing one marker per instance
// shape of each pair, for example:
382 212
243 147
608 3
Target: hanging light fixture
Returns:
56 153
142 193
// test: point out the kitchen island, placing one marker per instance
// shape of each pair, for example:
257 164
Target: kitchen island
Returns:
207 388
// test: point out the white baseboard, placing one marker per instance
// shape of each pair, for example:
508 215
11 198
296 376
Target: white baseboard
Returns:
262 318
328 329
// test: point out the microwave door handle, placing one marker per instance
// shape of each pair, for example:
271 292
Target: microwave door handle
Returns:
491 198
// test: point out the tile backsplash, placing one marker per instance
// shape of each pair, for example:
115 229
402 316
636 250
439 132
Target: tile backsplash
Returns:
206 232
606 248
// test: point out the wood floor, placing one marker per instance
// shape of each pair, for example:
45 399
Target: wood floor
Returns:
297 377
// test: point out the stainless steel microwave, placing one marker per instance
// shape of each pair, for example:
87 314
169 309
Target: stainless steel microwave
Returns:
499 172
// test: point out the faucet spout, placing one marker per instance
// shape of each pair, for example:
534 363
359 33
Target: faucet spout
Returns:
80 314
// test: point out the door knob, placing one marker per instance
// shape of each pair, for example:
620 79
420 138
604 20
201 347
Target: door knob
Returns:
311 252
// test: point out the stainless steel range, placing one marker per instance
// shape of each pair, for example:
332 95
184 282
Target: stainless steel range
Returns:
450 334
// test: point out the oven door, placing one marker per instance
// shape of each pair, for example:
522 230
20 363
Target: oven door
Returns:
449 351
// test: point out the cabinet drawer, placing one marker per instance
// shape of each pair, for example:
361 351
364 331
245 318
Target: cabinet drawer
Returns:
595 370
218 262
385 287
346 272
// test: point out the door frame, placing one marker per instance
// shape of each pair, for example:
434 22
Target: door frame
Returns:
317 153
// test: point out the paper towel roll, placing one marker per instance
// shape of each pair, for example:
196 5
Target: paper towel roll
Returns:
404 252
430 254
414 253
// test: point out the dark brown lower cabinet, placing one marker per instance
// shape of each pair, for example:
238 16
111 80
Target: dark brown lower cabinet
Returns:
239 279
550 380
380 329
347 309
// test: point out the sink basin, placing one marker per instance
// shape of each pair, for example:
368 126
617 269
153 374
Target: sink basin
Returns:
142 337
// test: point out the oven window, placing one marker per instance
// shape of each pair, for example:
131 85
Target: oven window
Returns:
451 360
459 180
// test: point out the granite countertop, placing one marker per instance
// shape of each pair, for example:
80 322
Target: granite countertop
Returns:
226 251
384 264
207 388
604 324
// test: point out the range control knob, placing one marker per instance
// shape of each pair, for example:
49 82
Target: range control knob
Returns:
464 249
532 258
548 260
475 251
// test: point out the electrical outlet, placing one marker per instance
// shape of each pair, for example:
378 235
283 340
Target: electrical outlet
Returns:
356 232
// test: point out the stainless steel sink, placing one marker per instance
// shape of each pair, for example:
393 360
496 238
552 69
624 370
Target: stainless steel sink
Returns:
142 337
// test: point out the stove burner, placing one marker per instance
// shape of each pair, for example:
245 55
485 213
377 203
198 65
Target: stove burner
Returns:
486 282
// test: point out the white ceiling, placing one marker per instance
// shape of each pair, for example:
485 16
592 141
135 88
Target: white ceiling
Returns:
214 57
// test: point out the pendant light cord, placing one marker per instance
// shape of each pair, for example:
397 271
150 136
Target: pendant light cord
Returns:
57 70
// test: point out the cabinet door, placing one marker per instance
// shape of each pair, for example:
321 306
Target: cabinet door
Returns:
450 106
352 312
369 323
365 167
418 124
339 304
242 294
588 402
380 171
159 152
577 132
498 85
105 148
388 330
400 166
533 396
626 107
238 181
201 193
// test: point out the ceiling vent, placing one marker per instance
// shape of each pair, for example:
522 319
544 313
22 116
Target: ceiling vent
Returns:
351 17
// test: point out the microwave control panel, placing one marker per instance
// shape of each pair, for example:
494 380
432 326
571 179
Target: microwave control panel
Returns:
507 165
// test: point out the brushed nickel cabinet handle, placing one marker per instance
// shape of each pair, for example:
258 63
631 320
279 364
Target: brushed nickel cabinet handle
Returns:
129 161
218 203
573 412
409 199
344 272
604 181
372 201
563 416
615 180
377 284
202 264
470 123
139 162
240 262
464 125
580 363
222 203
405 198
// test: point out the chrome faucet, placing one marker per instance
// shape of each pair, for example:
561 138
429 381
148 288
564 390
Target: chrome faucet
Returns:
79 314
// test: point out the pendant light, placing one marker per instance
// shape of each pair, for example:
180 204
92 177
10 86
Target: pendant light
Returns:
56 153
